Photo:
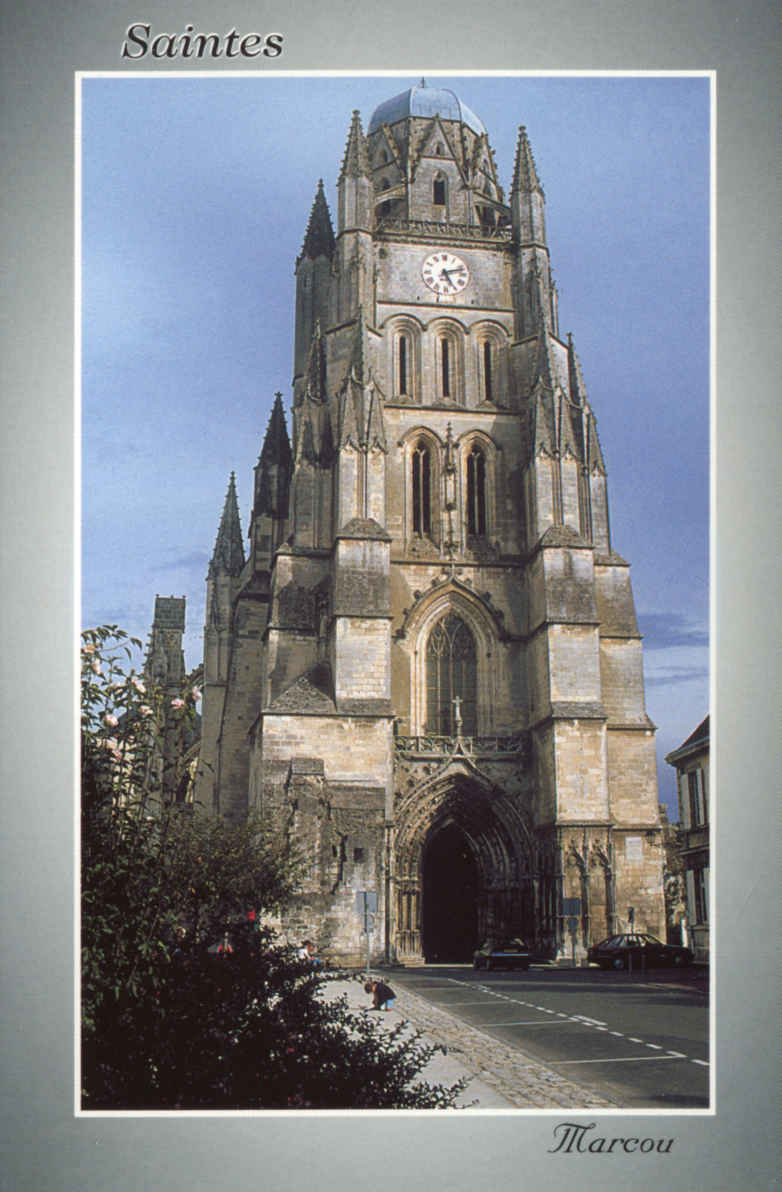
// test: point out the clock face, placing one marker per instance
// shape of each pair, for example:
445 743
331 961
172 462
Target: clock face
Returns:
445 273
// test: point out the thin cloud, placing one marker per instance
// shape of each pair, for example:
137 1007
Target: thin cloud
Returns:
668 676
196 558
666 631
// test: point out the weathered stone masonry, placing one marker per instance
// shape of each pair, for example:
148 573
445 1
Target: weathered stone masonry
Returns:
428 667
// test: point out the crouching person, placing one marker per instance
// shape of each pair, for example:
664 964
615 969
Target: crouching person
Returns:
383 996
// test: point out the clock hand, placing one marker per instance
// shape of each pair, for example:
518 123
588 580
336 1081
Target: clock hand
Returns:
446 273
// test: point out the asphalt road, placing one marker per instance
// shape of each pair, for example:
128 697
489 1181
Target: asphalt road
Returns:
641 1039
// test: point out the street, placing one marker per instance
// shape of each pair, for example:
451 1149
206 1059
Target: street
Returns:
640 1039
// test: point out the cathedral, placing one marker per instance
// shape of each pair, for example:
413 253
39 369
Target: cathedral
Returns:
426 666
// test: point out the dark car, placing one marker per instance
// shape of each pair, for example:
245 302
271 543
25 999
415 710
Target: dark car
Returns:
643 951
505 953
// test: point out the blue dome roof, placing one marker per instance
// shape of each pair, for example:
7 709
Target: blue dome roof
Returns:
425 101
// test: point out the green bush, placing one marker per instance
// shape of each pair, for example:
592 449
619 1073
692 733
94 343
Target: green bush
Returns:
168 1021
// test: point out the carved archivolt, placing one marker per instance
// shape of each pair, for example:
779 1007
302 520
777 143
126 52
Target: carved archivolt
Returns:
492 824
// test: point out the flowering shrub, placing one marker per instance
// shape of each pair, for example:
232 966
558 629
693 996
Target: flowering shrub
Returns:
173 1014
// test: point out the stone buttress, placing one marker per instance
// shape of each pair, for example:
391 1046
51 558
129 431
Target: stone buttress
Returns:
429 670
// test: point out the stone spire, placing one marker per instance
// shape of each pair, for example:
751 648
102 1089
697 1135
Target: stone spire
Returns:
273 470
527 200
276 447
228 555
355 190
578 393
525 174
319 237
535 296
355 163
594 454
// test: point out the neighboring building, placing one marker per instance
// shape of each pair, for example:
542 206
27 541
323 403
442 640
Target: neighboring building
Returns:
691 762
428 668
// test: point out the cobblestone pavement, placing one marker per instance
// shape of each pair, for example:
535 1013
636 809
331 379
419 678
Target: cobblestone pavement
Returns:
500 1077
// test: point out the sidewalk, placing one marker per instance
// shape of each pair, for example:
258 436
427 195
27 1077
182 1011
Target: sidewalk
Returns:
500 1077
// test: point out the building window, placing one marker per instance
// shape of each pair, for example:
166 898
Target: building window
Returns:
701 903
451 674
445 367
403 363
422 490
488 379
697 798
476 493
438 192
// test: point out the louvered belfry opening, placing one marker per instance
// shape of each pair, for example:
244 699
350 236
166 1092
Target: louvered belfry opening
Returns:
476 493
422 490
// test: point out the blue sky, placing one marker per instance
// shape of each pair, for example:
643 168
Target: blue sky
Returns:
196 194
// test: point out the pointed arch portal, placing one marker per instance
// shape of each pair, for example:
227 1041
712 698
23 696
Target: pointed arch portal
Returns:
463 870
450 886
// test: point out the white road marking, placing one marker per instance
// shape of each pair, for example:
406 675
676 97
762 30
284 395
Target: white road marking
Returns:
580 1019
528 1022
483 1002
622 1059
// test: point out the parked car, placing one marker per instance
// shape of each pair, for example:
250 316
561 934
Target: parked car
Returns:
643 950
505 953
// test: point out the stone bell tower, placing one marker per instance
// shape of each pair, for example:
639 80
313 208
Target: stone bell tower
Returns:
429 667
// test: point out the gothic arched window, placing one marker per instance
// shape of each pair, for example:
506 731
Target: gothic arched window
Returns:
445 366
451 674
403 364
422 490
488 378
476 493
438 191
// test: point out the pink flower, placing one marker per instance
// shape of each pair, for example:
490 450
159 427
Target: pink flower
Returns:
89 648
196 693
177 703
95 666
110 721
145 710
140 688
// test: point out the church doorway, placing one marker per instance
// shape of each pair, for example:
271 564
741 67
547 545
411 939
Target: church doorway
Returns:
450 897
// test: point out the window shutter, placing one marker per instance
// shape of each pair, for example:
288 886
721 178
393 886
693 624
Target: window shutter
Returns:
690 884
